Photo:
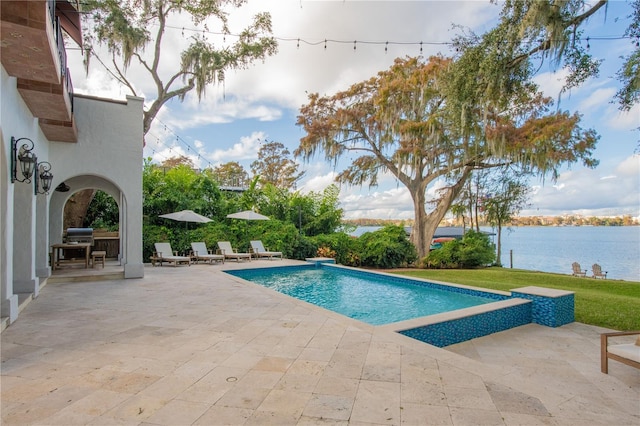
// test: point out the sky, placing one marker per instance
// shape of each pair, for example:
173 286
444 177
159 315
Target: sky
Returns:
261 103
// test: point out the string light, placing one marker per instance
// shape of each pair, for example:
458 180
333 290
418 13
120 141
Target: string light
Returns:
635 40
325 42
178 140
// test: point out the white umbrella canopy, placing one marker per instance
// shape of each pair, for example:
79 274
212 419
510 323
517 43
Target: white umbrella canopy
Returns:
186 216
247 215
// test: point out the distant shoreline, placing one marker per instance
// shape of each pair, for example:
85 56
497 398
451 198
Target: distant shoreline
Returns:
554 221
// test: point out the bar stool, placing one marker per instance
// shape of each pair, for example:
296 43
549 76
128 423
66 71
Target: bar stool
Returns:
98 256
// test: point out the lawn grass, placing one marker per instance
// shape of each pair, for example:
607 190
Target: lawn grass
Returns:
611 304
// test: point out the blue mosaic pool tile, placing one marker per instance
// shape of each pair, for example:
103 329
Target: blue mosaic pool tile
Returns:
550 311
461 329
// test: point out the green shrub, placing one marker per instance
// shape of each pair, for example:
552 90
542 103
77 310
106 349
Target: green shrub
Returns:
275 235
474 250
387 247
445 257
346 247
303 248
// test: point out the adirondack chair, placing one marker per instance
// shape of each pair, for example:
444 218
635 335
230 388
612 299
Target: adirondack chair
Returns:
577 271
597 272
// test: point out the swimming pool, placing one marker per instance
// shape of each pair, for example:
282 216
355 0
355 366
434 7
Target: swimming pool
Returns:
372 298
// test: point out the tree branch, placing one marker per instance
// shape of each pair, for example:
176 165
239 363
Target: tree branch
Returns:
122 79
546 44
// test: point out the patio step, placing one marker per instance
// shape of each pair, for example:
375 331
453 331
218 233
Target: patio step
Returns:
83 278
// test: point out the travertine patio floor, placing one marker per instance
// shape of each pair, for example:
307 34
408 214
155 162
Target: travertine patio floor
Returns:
191 345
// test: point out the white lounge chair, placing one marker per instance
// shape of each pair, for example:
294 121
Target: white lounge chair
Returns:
258 250
200 252
626 353
165 254
229 253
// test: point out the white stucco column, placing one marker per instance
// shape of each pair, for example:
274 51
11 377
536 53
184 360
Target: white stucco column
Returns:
24 276
8 300
43 269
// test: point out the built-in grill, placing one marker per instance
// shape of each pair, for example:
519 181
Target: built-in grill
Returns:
79 235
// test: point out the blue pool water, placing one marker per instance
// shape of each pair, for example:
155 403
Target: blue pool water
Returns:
373 298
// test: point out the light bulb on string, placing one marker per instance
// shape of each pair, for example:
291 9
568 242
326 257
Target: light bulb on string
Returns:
354 44
386 46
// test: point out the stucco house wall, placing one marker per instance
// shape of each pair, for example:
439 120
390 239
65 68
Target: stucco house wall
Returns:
107 156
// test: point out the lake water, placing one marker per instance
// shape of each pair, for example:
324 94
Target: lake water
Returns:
555 248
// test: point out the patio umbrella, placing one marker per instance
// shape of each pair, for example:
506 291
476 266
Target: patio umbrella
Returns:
186 216
247 215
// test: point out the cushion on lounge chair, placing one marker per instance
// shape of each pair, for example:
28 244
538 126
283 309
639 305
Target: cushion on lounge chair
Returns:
626 353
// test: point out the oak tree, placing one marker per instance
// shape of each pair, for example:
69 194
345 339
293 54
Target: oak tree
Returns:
231 174
134 31
275 166
550 32
405 122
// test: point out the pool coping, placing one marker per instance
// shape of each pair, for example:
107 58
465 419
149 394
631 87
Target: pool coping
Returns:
524 305
452 315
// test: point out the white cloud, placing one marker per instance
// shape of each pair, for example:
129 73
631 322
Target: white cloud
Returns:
246 148
393 203
317 183
551 83
624 120
597 99
261 99
591 192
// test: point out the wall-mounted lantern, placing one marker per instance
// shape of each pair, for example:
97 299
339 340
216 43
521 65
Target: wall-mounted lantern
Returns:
25 156
43 177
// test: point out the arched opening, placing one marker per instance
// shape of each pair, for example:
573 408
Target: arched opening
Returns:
89 201
98 210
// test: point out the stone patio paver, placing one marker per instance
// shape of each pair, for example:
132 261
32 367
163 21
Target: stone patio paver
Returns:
192 345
